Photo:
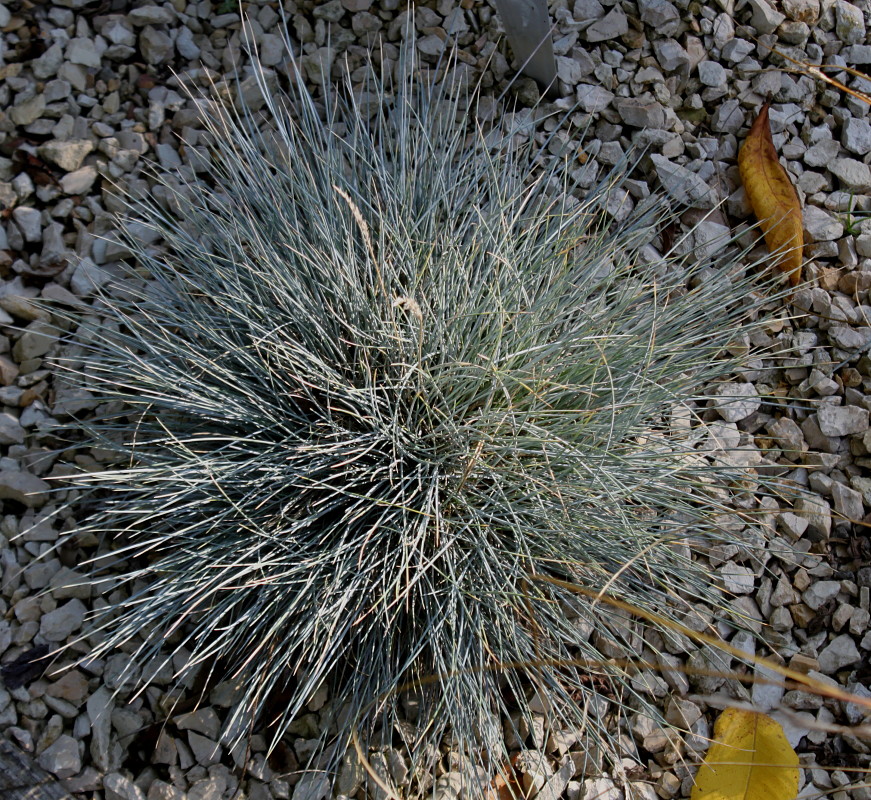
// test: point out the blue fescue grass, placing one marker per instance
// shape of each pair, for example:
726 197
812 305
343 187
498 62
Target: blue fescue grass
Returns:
386 370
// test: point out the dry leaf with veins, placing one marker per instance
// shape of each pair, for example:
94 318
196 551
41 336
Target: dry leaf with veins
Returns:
749 759
772 197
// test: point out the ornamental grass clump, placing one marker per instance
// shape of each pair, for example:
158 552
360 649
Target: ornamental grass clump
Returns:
384 379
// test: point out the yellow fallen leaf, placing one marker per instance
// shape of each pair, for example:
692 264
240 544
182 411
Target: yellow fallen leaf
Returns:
772 196
749 759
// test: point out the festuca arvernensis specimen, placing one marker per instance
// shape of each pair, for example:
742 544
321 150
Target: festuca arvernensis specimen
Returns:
389 383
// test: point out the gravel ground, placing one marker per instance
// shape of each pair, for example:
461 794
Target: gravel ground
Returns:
88 95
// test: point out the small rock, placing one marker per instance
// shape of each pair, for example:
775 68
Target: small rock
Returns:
736 578
558 782
80 181
765 17
164 791
62 758
117 29
819 593
205 750
56 625
788 436
86 52
592 98
150 15
155 45
856 136
36 340
207 789
682 712
640 113
88 278
72 686
29 221
312 786
842 420
854 176
849 23
203 720
118 787
729 116
602 789
68 155
839 653
534 769
26 112
848 502
670 55
47 65
796 725
821 154
661 15
821 226
712 74
23 487
189 49
818 514
681 185
766 696
736 401
613 25
100 706
11 431
272 51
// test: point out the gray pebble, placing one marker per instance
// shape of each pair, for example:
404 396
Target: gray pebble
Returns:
29 221
728 118
85 52
592 98
848 502
47 65
820 592
27 111
36 340
640 113
23 487
818 514
80 181
670 55
682 185
613 25
68 155
736 50
713 74
765 17
150 15
56 625
187 48
661 15
849 23
822 153
842 420
854 175
841 652
117 29
119 787
736 401
155 45
99 708
820 225
856 136
271 52
62 757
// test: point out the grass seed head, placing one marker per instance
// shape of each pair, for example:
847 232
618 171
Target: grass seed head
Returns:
387 373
